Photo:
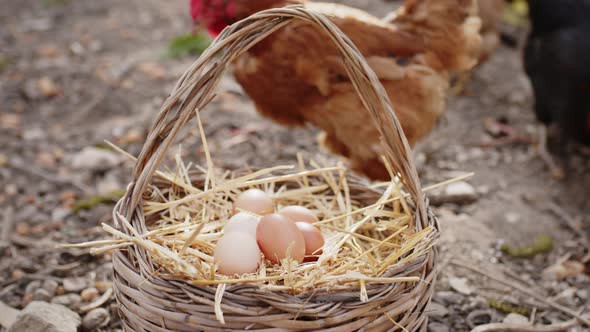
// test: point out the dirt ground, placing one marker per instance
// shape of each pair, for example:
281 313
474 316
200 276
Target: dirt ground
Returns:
75 73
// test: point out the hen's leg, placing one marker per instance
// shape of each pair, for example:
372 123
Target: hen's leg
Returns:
461 82
503 134
556 170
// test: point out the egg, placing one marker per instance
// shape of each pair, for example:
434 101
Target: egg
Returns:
237 253
242 222
314 240
299 213
278 237
255 201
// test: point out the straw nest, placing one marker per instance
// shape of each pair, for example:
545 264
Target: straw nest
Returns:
377 268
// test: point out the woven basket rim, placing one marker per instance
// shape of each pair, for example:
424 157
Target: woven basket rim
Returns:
136 287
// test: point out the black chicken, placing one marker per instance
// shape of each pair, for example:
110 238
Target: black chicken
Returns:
556 60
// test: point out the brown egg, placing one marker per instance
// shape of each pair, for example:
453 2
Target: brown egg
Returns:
314 240
278 237
237 253
255 201
299 213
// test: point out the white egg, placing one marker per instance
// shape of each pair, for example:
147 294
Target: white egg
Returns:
237 253
255 201
242 222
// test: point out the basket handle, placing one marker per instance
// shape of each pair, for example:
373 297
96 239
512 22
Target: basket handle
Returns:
196 88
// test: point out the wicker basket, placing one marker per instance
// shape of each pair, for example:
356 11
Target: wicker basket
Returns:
148 302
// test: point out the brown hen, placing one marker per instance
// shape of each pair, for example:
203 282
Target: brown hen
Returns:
295 76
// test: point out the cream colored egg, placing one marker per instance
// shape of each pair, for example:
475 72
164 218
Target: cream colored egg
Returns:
314 240
242 222
299 213
255 201
278 238
237 253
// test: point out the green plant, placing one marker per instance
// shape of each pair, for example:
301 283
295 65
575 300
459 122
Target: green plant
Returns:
190 44
542 244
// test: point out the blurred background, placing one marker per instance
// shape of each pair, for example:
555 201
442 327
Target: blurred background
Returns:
76 73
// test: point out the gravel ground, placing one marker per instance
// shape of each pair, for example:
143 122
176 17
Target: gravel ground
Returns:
75 73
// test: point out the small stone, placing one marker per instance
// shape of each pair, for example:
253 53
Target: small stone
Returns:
74 285
583 294
512 217
456 193
60 290
476 153
95 46
103 285
477 255
10 121
96 318
11 189
483 190
17 274
95 159
566 297
461 192
37 24
461 157
31 90
563 270
46 317
77 48
50 286
40 294
48 51
153 70
47 87
4 245
447 298
27 298
420 160
22 229
460 285
3 160
68 300
582 279
516 319
478 302
437 310
59 214
517 96
108 185
437 327
89 294
36 133
133 135
32 286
